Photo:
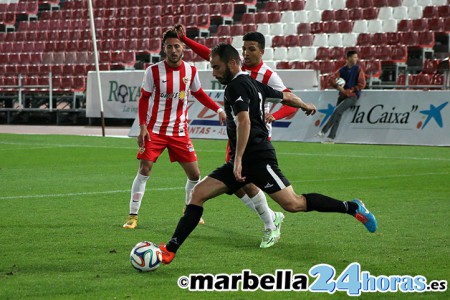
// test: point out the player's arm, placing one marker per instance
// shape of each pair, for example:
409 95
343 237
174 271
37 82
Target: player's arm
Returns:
204 99
283 112
142 117
293 100
201 50
242 135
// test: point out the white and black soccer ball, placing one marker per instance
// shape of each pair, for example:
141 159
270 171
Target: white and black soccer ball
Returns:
340 81
145 257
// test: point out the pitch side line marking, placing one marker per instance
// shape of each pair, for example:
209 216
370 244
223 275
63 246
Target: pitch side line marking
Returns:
49 146
180 188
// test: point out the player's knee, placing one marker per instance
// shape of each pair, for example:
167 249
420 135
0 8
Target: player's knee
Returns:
251 190
297 204
198 196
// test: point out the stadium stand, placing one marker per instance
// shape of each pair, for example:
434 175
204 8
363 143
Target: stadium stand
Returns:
40 37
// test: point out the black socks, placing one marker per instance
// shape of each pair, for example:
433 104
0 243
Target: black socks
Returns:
185 226
324 203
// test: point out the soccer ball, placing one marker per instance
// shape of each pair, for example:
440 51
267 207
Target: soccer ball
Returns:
145 256
340 81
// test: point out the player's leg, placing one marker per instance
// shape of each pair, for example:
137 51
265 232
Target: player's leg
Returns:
337 114
182 150
206 189
272 220
280 190
147 157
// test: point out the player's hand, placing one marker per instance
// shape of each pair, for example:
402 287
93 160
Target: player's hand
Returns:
310 109
180 30
222 118
142 137
270 118
237 170
332 81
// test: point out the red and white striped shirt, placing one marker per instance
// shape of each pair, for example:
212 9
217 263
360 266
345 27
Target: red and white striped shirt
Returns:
169 88
265 75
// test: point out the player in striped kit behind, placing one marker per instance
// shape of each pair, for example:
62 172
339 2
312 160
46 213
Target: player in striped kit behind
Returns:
162 114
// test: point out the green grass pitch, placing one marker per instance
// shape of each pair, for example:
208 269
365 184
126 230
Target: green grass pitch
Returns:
63 200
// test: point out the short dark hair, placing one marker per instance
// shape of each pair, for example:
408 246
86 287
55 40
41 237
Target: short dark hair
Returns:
255 37
351 53
226 52
169 34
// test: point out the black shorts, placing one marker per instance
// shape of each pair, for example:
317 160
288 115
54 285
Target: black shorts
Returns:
266 175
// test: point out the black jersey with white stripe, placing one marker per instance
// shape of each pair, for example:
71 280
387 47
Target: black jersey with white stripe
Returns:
244 93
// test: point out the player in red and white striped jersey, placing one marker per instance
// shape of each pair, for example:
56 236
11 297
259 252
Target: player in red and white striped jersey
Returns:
253 51
162 112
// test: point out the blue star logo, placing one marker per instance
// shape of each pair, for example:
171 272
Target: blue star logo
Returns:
328 112
433 113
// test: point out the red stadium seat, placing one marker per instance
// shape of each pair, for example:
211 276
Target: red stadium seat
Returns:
370 13
341 15
248 18
355 14
373 68
261 17
379 39
236 30
203 9
367 52
323 53
328 15
366 3
316 27
399 53
273 17
282 65
444 11
337 53
380 3
297 5
394 2
394 38
223 30
352 3
292 41
272 6
304 28
279 41
436 24
345 26
383 53
364 39
331 27
447 25
306 40
327 67
430 66
430 12
420 25
411 38
284 6
437 79
249 27
426 39
405 25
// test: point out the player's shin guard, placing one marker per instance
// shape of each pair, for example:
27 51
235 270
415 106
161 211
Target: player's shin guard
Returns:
324 203
265 213
137 192
185 226
189 186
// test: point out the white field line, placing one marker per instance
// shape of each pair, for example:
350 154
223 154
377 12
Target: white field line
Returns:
49 146
182 188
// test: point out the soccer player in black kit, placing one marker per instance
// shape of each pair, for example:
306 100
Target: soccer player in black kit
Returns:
253 157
